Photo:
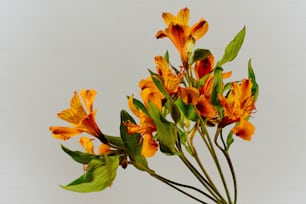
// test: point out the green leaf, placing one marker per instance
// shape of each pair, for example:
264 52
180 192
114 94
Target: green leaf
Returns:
166 131
115 140
232 49
80 157
253 80
131 141
175 112
217 88
187 110
199 54
166 56
139 105
99 175
160 86
229 140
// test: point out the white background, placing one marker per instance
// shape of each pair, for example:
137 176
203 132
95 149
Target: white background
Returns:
50 48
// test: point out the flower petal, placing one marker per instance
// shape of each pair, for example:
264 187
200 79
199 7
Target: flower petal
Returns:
87 145
199 29
64 133
88 97
244 129
149 146
76 113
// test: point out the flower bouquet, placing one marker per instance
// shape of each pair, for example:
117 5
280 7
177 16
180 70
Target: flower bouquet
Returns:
177 105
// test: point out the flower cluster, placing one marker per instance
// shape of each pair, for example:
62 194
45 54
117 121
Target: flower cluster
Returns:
177 104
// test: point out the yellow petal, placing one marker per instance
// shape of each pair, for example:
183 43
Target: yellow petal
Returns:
64 133
183 16
88 97
87 145
189 95
76 113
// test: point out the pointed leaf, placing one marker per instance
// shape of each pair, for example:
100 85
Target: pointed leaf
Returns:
81 157
217 87
229 140
199 54
115 140
187 110
232 49
253 79
98 176
131 141
166 131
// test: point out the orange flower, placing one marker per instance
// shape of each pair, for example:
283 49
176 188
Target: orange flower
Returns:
145 127
181 34
171 81
80 120
238 105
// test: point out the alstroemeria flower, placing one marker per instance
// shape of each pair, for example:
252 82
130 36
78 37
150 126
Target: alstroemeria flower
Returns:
145 127
181 34
80 119
238 106
171 81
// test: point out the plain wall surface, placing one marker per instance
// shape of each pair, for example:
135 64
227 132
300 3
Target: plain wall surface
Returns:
50 48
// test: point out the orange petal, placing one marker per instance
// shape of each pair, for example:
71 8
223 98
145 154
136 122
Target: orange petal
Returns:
64 133
203 67
104 148
244 129
189 95
149 146
87 145
206 109
199 29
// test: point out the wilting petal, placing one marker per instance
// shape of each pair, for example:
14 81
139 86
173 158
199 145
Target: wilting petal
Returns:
64 133
199 29
87 145
88 97
149 146
244 129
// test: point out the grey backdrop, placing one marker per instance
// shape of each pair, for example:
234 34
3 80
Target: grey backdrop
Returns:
50 48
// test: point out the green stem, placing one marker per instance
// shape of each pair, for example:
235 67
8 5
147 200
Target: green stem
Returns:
199 162
230 164
173 184
203 181
215 158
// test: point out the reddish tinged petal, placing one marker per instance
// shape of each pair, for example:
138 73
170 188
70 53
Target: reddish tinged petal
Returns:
90 126
204 67
189 95
168 18
206 109
64 133
149 146
244 129
161 34
199 29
